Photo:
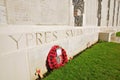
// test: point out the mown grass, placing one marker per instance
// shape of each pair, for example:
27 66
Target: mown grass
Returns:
118 34
100 62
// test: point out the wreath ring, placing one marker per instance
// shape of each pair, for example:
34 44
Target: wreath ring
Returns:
57 57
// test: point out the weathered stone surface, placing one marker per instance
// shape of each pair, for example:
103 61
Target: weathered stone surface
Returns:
3 16
91 8
38 12
2 2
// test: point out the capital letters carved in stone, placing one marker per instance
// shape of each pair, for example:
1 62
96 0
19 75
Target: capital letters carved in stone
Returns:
16 40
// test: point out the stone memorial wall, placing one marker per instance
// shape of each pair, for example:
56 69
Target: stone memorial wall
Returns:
24 48
28 47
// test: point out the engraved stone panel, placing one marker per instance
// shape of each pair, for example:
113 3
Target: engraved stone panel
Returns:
104 13
91 12
19 12
38 12
2 15
111 12
115 17
2 2
53 13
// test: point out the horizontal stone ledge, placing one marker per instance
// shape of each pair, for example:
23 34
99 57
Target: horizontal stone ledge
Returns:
16 29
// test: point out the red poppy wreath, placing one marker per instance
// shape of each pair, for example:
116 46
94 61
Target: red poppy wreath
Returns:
57 57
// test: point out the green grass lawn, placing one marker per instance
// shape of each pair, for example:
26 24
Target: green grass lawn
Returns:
100 62
118 34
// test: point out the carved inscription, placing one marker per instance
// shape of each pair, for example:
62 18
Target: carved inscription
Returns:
39 37
42 37
2 2
38 12
3 15
16 40
69 33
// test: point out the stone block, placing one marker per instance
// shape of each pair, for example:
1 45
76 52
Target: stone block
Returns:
106 36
